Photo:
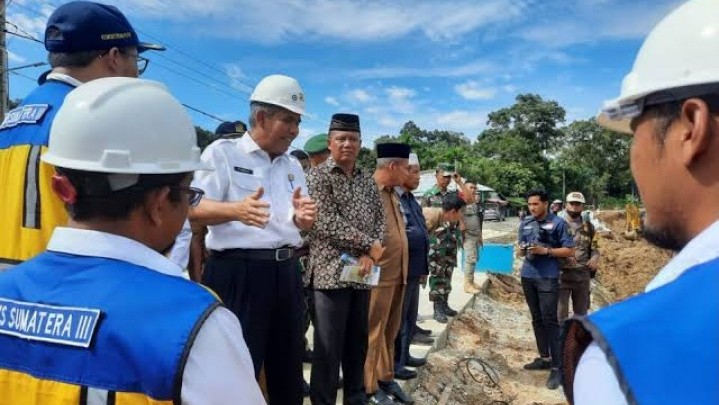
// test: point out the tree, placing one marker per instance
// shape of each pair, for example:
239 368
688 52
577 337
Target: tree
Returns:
204 137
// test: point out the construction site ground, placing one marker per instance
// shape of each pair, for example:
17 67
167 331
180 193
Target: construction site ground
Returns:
477 357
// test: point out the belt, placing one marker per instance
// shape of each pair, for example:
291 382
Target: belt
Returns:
278 255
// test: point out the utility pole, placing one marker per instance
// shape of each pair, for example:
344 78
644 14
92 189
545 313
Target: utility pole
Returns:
4 91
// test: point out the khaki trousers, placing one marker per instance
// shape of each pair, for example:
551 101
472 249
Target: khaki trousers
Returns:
385 316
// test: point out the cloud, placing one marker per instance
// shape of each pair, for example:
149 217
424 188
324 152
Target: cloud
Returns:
34 25
510 88
360 96
237 78
437 20
468 122
13 57
332 101
471 90
467 69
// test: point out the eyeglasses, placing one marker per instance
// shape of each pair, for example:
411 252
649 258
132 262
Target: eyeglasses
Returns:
194 194
141 62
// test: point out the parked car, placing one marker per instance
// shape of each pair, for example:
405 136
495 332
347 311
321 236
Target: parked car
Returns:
493 212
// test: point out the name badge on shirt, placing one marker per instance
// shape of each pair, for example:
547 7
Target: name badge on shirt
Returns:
26 114
68 326
243 170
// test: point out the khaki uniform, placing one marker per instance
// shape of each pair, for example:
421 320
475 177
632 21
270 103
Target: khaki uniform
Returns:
472 237
575 274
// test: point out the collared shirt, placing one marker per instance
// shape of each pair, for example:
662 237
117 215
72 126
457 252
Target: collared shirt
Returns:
550 232
241 167
595 382
394 262
586 247
62 77
180 253
350 218
417 237
219 367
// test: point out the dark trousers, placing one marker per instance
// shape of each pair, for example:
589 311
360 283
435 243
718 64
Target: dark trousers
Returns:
341 328
542 295
266 296
410 306
579 292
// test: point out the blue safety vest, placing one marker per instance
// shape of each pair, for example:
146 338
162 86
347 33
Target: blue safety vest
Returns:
73 326
663 345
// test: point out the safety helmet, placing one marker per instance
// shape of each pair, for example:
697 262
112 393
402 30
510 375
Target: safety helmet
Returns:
679 59
123 125
282 91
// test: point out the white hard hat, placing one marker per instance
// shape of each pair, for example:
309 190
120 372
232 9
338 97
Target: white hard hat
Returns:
123 125
282 91
680 54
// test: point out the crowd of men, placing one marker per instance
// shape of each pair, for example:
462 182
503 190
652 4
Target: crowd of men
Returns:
103 181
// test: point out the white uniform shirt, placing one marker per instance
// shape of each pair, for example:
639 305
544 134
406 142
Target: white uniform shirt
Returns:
595 382
61 77
241 167
219 368
180 252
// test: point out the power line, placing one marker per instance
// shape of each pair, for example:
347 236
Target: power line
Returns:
195 109
22 75
211 85
36 64
17 34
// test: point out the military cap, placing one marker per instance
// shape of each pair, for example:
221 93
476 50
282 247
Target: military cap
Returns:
226 128
447 169
317 144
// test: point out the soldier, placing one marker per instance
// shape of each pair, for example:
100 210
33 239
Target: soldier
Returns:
445 173
578 270
472 217
317 149
442 226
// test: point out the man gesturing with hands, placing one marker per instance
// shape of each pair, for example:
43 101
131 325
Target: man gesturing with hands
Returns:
256 206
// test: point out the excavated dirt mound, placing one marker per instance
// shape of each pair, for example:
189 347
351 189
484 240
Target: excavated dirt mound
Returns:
488 343
627 266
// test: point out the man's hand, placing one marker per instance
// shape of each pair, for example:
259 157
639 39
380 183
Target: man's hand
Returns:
538 250
593 263
376 251
365 262
423 281
305 210
252 211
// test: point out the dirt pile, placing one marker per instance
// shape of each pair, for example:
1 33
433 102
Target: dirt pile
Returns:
626 266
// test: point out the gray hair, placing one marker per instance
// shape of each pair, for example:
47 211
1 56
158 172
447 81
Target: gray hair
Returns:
384 162
268 109
73 59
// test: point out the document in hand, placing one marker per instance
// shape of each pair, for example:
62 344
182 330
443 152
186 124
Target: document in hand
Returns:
351 274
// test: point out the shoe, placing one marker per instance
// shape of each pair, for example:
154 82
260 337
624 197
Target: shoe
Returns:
405 374
380 398
420 331
449 311
305 388
439 314
416 361
554 379
469 286
538 364
422 340
393 389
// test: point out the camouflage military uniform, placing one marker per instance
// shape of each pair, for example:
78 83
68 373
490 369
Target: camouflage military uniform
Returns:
443 244
433 197
575 275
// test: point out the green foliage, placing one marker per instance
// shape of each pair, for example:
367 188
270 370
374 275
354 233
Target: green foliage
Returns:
525 146
204 137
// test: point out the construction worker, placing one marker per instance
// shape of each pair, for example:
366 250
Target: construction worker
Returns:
660 347
577 271
85 41
97 314
256 207
442 224
472 217
316 147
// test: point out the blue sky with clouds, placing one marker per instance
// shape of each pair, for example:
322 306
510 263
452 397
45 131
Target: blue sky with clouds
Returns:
442 64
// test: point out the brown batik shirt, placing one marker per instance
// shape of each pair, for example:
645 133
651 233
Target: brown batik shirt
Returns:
350 218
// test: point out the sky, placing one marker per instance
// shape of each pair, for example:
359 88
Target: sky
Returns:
442 64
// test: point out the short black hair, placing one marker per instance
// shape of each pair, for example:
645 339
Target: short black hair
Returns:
543 195
96 200
300 154
452 201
